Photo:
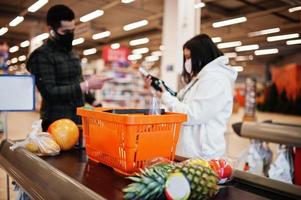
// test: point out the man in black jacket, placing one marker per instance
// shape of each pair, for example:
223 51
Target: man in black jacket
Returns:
58 71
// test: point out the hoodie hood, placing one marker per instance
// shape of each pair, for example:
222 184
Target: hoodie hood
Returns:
220 67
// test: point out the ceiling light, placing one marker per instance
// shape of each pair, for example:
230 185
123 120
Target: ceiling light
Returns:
13 49
24 44
92 15
247 47
134 57
37 5
42 36
78 41
115 46
140 50
101 35
292 42
294 9
162 47
139 41
229 44
238 68
264 32
16 21
89 51
8 62
135 25
216 39
22 58
282 37
151 58
3 30
199 5
243 58
14 60
230 55
127 1
229 22
157 53
266 52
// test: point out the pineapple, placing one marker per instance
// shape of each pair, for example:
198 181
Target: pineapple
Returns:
149 183
203 181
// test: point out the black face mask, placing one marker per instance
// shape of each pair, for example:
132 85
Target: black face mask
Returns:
65 40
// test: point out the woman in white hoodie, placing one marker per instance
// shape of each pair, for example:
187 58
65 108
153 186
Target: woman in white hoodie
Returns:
207 99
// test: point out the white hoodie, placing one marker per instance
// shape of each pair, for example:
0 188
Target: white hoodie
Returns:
207 100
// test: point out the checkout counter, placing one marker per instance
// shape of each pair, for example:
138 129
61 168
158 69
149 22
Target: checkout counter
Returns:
71 175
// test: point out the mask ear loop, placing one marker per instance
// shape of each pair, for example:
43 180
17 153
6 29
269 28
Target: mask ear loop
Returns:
52 33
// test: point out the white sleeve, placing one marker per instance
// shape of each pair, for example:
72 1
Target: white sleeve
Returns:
208 99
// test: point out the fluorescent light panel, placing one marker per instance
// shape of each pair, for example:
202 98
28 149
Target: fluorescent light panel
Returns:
22 58
101 35
230 54
157 53
127 1
13 49
162 47
216 39
266 52
92 15
243 58
16 21
89 51
292 42
115 46
135 25
42 36
14 60
294 9
140 50
37 5
151 58
3 30
229 22
139 41
264 32
134 57
199 5
229 44
282 37
247 47
78 41
24 44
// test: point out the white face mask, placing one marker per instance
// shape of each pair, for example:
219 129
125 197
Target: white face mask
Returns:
188 66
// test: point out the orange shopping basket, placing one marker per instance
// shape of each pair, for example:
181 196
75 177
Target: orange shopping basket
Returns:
125 139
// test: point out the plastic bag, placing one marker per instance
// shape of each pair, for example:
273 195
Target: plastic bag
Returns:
38 142
154 106
251 160
282 169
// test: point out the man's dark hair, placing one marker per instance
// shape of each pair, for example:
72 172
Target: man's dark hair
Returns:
203 51
58 13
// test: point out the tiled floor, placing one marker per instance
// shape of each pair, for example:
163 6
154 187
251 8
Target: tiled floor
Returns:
19 125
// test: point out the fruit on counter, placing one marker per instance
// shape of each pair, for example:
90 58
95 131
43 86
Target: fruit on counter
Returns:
203 181
154 182
149 183
222 168
65 132
177 187
197 161
32 147
48 146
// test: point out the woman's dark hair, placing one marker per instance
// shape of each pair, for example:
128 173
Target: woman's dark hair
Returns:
58 13
202 51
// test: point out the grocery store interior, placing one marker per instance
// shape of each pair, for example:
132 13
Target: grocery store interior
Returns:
261 38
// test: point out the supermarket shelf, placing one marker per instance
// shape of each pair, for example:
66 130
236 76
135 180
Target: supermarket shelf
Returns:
287 134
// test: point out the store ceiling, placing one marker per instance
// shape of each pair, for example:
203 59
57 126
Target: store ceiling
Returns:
261 14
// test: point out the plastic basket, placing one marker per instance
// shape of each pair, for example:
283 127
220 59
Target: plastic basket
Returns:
126 142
